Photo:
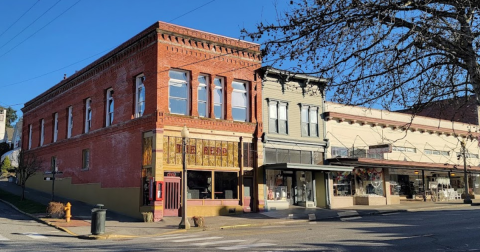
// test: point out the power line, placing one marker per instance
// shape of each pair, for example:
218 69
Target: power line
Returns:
191 11
19 18
36 77
40 28
30 23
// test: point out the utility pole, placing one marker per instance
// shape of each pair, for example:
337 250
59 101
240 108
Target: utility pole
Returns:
467 199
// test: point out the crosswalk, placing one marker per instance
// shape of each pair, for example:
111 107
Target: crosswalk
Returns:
199 240
32 235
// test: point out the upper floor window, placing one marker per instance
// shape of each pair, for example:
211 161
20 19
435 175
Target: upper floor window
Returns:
178 92
202 96
239 101
218 98
70 122
339 151
42 131
140 96
468 155
278 117
110 107
437 152
85 159
29 136
404 149
88 115
309 118
55 127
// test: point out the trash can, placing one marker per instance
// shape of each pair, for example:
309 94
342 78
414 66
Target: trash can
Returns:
98 219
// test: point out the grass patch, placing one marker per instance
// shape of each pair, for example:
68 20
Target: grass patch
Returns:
25 205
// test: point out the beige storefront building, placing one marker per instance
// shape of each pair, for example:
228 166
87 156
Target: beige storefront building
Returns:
396 157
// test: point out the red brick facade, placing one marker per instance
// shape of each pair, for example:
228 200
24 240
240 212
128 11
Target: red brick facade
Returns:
116 150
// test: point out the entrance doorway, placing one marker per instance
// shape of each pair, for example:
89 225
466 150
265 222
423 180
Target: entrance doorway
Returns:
172 196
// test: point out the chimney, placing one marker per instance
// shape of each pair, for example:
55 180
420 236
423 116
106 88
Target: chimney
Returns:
64 76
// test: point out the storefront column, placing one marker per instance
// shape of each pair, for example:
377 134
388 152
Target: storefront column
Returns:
423 182
259 179
387 189
157 157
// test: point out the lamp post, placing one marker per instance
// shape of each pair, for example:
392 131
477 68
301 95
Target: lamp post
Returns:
467 199
184 224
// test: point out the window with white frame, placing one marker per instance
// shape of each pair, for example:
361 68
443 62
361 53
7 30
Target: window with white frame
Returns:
239 101
85 159
278 117
42 131
140 96
178 92
29 136
309 121
202 96
70 122
110 107
404 149
468 155
55 127
437 152
339 151
218 98
88 115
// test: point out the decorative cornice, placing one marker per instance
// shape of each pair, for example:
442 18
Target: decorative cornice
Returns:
339 117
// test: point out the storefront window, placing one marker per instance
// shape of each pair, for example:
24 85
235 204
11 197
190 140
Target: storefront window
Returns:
342 183
199 185
368 181
277 185
304 187
226 185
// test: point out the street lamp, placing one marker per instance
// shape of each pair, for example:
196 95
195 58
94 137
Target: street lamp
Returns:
467 199
184 224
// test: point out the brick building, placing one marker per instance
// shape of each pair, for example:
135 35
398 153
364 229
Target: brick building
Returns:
113 128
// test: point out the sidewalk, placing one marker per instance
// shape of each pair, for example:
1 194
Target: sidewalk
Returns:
120 226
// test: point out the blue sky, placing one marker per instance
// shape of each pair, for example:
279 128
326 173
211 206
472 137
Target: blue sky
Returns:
57 37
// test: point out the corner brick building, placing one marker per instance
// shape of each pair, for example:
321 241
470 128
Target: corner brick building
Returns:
113 128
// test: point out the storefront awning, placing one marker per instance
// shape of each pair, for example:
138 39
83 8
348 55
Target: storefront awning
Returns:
396 164
307 167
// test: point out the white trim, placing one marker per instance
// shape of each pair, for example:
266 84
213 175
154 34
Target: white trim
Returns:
55 127
139 84
247 101
70 122
29 136
42 131
88 108
177 82
203 85
222 98
109 115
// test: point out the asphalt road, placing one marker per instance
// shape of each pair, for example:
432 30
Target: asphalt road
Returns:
446 230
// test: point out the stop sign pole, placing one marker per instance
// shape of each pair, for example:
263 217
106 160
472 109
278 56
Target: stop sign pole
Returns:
53 180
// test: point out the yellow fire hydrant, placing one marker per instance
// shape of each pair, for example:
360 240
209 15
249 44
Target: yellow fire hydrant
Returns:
68 210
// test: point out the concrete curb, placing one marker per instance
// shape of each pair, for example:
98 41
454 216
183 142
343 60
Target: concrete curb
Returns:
39 219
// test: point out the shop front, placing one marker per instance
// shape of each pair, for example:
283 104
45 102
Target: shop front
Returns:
362 186
291 184
215 177
380 182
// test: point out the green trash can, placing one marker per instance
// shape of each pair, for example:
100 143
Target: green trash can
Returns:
99 215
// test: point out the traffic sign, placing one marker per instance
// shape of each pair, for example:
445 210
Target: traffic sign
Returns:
48 178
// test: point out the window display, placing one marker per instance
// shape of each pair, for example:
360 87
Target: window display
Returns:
368 181
342 183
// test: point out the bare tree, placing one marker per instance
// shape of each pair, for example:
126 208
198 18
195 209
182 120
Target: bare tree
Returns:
28 165
394 53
